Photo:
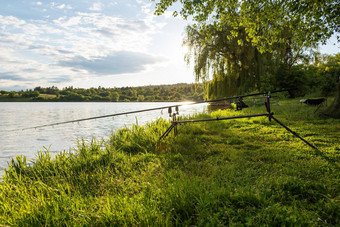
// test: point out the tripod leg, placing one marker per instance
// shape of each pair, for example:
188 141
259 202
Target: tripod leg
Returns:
306 142
166 133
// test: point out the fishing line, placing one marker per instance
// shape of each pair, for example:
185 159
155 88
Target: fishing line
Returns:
103 116
151 109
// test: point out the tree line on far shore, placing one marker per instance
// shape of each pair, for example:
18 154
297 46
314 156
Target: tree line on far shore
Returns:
160 93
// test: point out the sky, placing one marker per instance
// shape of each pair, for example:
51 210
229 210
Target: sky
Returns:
83 43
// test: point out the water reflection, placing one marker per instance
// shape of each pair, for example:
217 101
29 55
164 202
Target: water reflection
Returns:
219 106
64 137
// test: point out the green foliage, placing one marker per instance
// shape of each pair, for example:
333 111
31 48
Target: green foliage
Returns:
165 93
30 94
318 79
237 172
2 92
236 64
253 45
233 62
328 72
294 78
114 96
12 94
140 98
334 109
306 22
72 96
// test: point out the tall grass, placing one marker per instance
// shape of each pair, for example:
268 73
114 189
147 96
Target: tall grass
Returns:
237 172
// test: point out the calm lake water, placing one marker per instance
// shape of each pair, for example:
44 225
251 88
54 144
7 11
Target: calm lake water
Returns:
16 116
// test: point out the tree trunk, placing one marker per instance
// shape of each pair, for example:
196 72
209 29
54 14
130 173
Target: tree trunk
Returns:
334 109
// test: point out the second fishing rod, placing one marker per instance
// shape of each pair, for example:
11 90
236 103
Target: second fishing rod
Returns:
239 97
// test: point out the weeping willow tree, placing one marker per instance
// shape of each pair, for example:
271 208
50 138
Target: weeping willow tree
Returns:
280 28
234 63
228 63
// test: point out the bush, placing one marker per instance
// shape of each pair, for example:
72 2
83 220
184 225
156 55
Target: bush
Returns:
12 94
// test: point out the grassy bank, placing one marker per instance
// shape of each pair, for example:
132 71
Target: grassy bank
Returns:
249 172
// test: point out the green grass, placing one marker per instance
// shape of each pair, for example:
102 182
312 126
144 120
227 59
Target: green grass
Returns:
238 172
5 98
47 96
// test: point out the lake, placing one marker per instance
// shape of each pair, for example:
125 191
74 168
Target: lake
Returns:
15 116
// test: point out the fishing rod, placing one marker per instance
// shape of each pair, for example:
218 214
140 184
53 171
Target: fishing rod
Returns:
239 97
248 95
105 116
268 114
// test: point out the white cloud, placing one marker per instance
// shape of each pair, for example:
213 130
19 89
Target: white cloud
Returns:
43 44
62 6
10 21
120 62
168 14
68 7
38 3
97 6
146 8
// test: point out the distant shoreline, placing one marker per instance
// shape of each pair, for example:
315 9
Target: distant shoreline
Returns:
162 93
37 101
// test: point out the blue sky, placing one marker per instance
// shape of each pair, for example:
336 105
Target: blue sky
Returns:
108 43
